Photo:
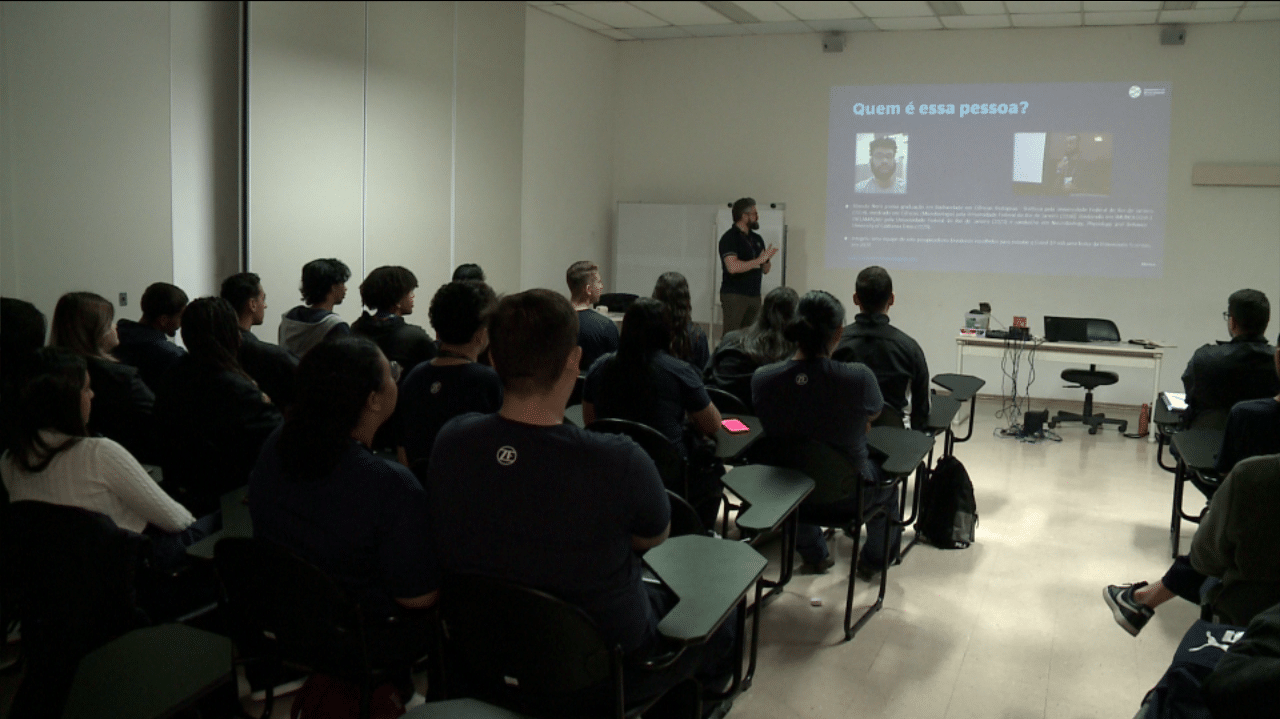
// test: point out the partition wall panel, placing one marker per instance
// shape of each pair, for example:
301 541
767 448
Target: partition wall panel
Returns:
305 145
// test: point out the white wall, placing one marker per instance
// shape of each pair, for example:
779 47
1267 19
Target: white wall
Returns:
710 120
85 188
567 191
119 148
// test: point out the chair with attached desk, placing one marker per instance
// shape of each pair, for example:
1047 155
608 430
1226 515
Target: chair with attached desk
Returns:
1197 451
834 480
285 611
530 652
1081 329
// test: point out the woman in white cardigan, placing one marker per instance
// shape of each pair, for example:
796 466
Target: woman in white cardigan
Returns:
52 459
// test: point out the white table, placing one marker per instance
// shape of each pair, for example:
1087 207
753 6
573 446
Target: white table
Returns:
1109 354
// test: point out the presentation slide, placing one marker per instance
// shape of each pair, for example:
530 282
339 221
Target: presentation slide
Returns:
1041 179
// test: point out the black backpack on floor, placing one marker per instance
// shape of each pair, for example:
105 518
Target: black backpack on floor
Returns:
948 512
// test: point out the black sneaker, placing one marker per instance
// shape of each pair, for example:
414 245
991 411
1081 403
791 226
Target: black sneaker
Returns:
867 573
1129 614
818 568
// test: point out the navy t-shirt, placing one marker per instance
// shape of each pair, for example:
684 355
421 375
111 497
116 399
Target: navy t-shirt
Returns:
553 508
1253 428
597 336
745 247
366 524
434 394
677 388
819 399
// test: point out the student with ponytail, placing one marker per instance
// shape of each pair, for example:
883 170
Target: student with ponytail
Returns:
813 397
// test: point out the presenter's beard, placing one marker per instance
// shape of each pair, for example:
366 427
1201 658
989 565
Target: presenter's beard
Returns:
753 225
883 175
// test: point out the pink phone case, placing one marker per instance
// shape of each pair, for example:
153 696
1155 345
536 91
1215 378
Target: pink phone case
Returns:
734 426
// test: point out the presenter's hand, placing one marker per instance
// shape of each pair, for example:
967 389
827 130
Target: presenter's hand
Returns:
769 253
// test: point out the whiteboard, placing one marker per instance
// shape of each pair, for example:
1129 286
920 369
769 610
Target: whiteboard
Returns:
650 239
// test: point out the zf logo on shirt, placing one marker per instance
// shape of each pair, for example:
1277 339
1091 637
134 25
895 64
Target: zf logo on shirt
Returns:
802 379
506 456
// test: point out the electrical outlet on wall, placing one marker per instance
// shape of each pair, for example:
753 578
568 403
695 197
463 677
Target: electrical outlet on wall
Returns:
124 298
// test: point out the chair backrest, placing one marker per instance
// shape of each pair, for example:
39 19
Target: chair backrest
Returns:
832 473
726 402
684 518
671 466
526 650
1102 330
74 572
282 605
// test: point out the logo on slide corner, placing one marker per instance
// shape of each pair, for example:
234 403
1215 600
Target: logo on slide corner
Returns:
506 455
802 379
1135 92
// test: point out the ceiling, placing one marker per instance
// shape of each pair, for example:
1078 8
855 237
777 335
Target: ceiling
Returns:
657 20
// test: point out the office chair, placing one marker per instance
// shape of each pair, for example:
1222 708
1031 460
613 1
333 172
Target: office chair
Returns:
1090 379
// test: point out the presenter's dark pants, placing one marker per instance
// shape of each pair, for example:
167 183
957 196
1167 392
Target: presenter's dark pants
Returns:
739 310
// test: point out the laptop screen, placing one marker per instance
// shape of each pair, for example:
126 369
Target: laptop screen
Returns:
1066 329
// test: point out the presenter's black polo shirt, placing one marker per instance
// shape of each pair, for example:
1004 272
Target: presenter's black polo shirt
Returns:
746 247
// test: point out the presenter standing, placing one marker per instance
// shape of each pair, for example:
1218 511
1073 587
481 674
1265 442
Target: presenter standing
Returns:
743 262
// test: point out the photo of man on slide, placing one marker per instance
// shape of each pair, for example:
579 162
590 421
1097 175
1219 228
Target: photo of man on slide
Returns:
1059 163
882 161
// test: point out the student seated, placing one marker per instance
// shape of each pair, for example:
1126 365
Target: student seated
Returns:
1253 428
211 417
270 366
388 291
320 492
145 344
688 340
894 357
813 397
324 286
741 352
454 382
643 383
1220 375
22 332
597 334
83 322
52 458
522 496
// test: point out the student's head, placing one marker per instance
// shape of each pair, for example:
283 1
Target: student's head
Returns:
765 339
1249 312
533 339
884 157
321 278
817 325
746 207
873 291
460 310
644 330
55 395
672 290
583 278
247 297
340 384
162 305
468 271
389 289
22 330
211 333
84 323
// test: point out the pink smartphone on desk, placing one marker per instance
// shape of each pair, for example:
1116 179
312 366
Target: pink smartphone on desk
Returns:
734 426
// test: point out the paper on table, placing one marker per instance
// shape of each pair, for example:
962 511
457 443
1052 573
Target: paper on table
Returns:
1175 401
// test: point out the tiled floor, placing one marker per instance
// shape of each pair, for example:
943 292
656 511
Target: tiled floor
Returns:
1013 627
